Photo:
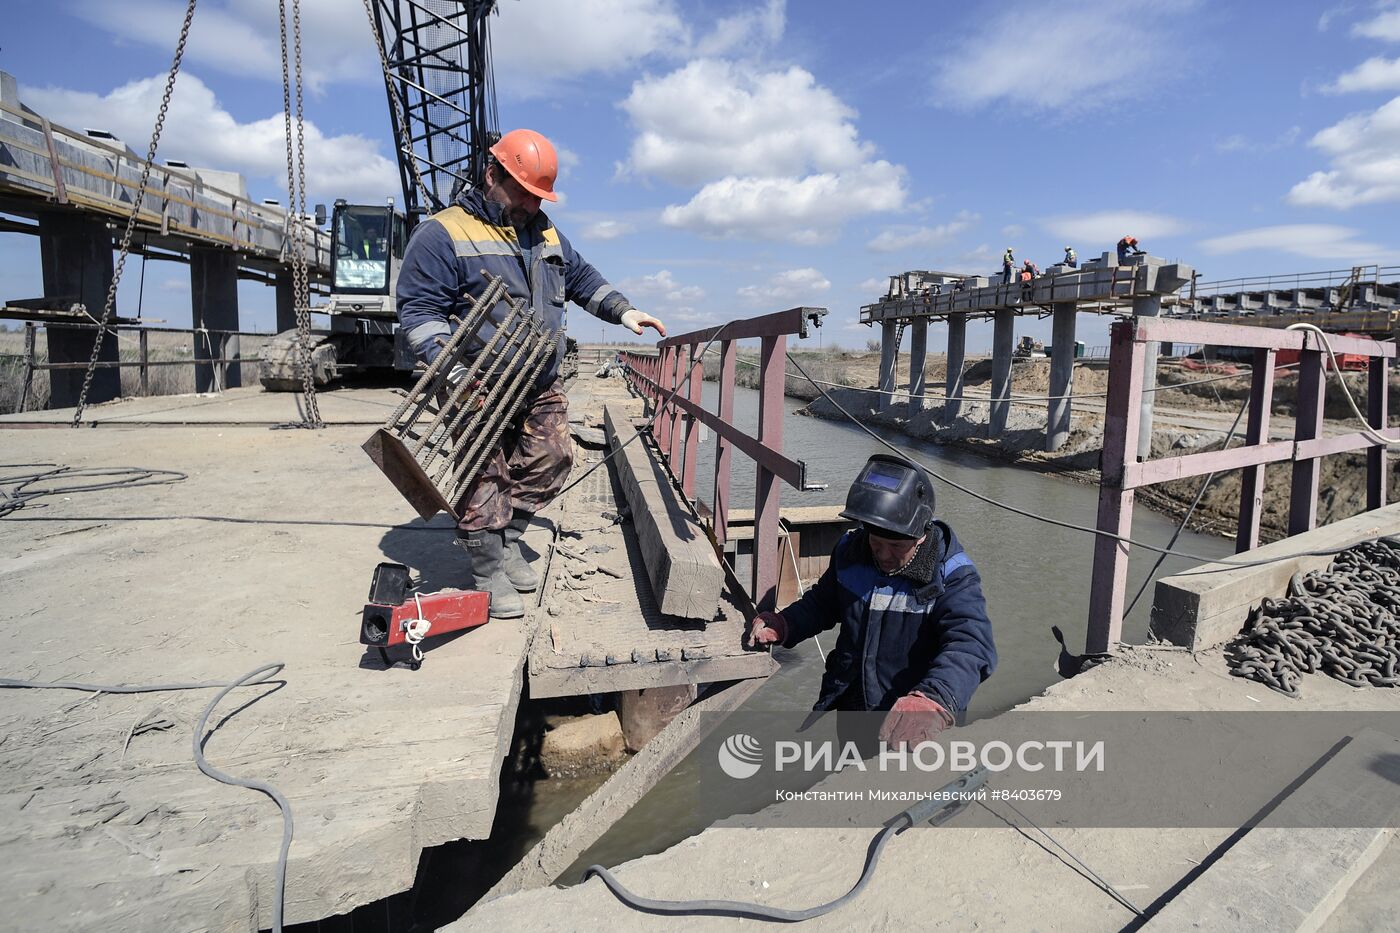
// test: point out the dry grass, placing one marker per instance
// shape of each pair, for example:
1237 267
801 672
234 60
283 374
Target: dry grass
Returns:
163 380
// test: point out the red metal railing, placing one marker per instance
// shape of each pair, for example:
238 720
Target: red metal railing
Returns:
677 414
1123 473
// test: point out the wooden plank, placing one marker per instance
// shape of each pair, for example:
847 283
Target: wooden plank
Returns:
549 681
609 803
681 564
1292 870
1208 605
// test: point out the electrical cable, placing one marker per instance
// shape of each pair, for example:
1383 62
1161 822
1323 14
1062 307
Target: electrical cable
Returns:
689 371
1366 427
259 676
19 494
1221 563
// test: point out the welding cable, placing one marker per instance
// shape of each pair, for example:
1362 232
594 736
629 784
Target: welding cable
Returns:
257 677
1221 563
1366 427
19 494
689 371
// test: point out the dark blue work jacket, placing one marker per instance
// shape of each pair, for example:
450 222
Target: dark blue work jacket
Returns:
452 254
924 628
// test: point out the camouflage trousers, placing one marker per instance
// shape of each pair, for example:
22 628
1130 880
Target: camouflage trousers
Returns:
529 467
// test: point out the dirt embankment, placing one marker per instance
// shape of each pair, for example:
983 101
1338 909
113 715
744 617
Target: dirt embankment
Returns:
1194 416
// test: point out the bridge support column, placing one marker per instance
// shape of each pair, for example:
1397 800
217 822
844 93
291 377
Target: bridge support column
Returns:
214 289
918 358
286 302
1003 340
1061 376
889 354
957 354
76 257
1147 306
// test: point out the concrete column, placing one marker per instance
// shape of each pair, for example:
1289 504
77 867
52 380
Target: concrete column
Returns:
286 302
1003 343
76 257
889 354
918 358
1061 376
214 289
957 353
1147 306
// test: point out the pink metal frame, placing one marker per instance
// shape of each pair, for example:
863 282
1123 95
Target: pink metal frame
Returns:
1122 473
677 416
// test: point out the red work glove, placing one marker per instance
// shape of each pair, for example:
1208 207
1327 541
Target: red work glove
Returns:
768 628
914 719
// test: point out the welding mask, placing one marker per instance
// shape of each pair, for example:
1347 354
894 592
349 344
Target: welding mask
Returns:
892 497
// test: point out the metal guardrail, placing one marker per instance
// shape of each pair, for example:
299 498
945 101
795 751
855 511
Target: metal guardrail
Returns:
676 419
1123 473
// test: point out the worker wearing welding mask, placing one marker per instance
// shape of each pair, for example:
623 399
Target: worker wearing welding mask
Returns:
914 639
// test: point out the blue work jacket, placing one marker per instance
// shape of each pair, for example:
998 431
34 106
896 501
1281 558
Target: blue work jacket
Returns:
924 628
453 253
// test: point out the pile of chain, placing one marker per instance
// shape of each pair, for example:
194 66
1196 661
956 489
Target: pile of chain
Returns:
1343 621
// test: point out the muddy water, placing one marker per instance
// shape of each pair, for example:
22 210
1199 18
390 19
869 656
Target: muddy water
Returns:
1034 575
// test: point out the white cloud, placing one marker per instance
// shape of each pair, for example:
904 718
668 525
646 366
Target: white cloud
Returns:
198 130
241 37
606 230
661 285
1238 142
803 210
1106 227
536 45
1374 74
874 286
714 118
1385 25
776 154
1312 241
894 239
1058 57
1365 161
747 30
791 287
1013 230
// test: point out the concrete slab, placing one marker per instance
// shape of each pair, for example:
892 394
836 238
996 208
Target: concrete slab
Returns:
1281 877
247 406
1208 605
264 553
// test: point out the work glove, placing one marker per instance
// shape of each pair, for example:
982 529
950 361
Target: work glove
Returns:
914 718
635 320
768 628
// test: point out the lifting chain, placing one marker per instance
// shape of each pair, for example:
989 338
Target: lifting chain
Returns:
1343 620
110 303
296 208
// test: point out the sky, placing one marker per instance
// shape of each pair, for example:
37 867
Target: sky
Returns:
727 159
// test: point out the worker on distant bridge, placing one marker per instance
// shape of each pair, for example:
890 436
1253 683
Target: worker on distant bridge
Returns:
1008 266
1071 257
1029 270
499 230
914 638
1128 245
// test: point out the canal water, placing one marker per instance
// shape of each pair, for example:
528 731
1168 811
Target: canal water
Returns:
1034 575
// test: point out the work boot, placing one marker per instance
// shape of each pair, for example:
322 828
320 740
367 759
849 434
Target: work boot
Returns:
486 549
518 570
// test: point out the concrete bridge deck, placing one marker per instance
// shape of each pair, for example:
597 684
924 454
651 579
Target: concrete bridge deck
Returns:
264 554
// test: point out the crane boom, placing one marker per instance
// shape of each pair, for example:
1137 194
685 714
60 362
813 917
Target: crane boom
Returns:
442 96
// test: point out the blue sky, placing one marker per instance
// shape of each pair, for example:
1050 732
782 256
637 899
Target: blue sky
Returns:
727 159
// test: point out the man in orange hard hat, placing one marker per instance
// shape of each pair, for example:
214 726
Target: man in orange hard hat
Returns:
499 230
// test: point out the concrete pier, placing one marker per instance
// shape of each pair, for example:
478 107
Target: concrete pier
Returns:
889 355
214 290
286 303
1003 340
957 353
1061 376
1147 306
918 359
76 255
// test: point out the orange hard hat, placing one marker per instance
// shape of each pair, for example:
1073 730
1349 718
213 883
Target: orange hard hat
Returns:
531 160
